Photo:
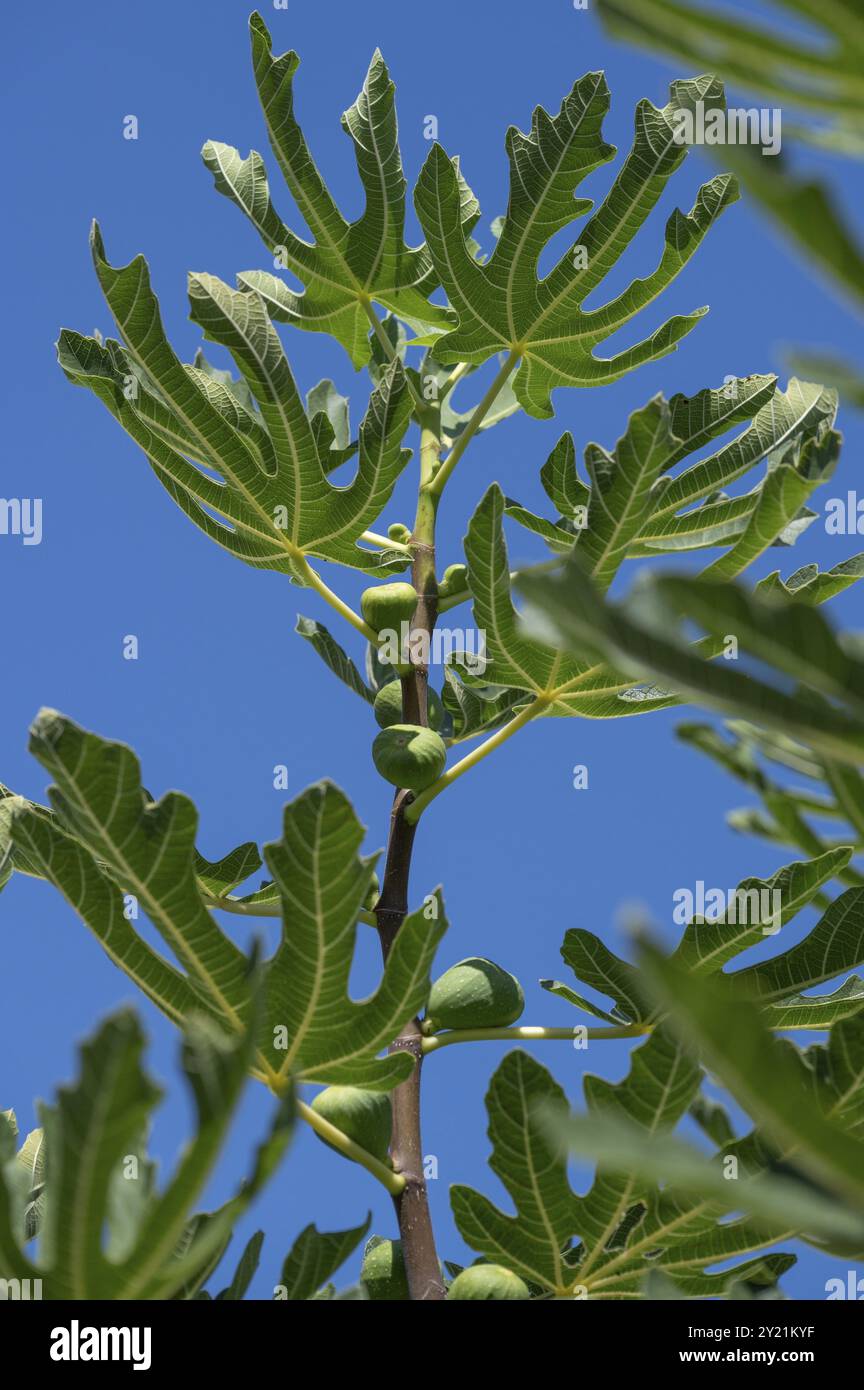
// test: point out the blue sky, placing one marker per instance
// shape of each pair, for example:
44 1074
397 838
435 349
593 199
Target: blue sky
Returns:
224 689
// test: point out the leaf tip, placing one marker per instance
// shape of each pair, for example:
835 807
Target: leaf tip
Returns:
97 243
49 724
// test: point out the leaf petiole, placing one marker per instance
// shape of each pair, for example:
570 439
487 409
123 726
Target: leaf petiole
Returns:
385 543
389 351
416 808
459 371
342 608
529 1033
436 486
394 1182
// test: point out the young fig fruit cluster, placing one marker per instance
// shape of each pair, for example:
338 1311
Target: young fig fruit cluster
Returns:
409 756
474 993
365 1116
388 706
492 1283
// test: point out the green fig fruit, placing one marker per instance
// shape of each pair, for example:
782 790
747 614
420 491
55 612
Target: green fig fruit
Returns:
388 706
475 993
386 606
454 580
408 756
489 1282
374 893
383 1271
365 1116
399 532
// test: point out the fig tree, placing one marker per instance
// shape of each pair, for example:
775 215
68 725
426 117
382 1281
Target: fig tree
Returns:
489 1282
388 706
365 1117
386 606
383 1271
407 755
474 993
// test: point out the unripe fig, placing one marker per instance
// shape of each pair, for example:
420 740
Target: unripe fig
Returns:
490 1282
407 755
453 581
374 892
399 532
475 993
386 606
383 1271
388 706
365 1117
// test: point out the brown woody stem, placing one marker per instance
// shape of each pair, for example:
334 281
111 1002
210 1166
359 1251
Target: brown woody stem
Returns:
412 1204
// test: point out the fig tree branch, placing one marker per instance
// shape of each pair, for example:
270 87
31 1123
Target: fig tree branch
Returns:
417 1237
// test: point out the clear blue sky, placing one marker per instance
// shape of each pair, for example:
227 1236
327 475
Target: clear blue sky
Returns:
223 689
